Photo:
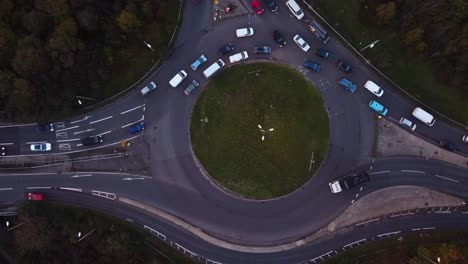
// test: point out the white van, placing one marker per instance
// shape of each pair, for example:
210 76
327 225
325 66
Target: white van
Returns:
239 57
295 9
178 78
210 71
245 32
373 88
424 116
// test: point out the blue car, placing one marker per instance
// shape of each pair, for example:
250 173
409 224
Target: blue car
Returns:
349 85
378 107
312 65
137 128
198 62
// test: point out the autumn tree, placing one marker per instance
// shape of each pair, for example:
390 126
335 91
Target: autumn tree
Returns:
128 20
63 42
413 36
30 62
385 12
7 45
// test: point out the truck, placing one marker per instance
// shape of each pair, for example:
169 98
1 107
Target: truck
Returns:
349 182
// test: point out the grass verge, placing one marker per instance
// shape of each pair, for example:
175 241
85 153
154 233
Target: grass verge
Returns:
226 139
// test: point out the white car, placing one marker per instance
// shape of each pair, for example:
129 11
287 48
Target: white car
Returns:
465 139
178 78
41 147
301 43
148 88
406 123
245 32
239 57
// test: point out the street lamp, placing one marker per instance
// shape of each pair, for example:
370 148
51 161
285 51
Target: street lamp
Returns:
370 45
84 98
79 235
264 131
149 46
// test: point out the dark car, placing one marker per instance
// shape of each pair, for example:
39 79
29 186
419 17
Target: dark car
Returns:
192 86
137 128
92 140
44 128
447 145
344 67
312 65
262 50
278 37
226 49
322 53
272 5
3 151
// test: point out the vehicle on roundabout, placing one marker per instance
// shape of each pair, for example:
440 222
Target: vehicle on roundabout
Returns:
192 86
93 140
239 57
226 49
465 139
257 7
36 196
301 43
349 182
272 5
313 66
278 37
376 106
137 128
245 32
148 88
178 78
3 151
448 145
347 84
44 128
41 147
262 50
344 67
407 123
322 53
374 88
197 63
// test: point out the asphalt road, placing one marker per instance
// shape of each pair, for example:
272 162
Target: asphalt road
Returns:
177 184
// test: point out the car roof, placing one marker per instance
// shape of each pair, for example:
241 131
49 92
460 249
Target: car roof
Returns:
376 105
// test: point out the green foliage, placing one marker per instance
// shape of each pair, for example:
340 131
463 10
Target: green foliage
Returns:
385 12
128 20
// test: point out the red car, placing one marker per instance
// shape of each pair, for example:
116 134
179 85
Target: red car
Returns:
256 5
33 196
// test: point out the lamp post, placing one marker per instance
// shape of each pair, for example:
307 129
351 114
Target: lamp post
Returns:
149 46
370 45
79 235
84 98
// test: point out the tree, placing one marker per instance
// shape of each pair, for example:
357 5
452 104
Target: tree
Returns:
88 19
413 36
56 8
36 22
7 45
64 42
34 234
6 9
385 12
6 84
128 21
30 62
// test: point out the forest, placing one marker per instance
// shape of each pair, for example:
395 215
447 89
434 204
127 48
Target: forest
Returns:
54 50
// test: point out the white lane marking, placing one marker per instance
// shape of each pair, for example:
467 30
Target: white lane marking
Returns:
79 145
131 179
368 221
445 178
379 172
429 228
129 110
129 124
352 201
105 118
415 229
6 144
83 131
18 125
67 140
142 117
361 189
106 195
38 142
144 108
68 128
6 189
76 121
71 189
34 188
415 171
107 132
81 175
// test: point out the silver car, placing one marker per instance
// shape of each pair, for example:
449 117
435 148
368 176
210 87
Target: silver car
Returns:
148 88
41 147
406 123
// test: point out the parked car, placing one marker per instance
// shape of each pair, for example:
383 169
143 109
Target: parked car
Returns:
450 146
178 78
278 37
239 57
407 123
257 7
3 151
312 65
344 67
44 128
92 140
349 182
272 5
226 49
36 196
41 147
322 53
245 32
349 85
196 64
137 128
192 86
465 139
148 88
301 43
376 106
262 50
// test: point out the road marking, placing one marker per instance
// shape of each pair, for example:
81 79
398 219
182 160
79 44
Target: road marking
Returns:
60 130
379 172
415 229
71 189
445 178
67 140
107 132
63 135
110 196
64 146
429 228
105 118
83 131
18 125
415 171
76 121
135 108
129 124
369 221
81 175
131 179
38 142
352 201
361 188
6 189
6 144
33 188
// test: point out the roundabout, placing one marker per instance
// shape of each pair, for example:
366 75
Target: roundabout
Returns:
260 130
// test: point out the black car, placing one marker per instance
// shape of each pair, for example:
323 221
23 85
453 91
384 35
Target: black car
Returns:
3 151
92 140
272 5
262 50
344 67
44 128
447 145
278 37
322 53
226 49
